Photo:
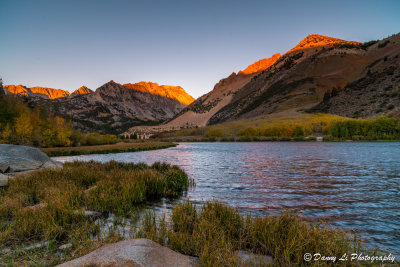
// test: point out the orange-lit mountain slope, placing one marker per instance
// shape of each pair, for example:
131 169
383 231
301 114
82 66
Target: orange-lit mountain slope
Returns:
316 40
36 91
260 65
83 90
16 89
49 92
173 92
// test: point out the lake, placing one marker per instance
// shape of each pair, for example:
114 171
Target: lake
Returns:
350 185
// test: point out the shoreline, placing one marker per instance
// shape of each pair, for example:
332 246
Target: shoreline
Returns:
106 149
271 140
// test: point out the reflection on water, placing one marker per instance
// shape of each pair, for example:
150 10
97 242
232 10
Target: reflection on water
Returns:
350 185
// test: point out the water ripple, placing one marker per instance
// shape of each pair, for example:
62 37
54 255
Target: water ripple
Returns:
354 186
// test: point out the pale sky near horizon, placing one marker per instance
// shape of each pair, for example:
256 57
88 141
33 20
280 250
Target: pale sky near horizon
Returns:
194 44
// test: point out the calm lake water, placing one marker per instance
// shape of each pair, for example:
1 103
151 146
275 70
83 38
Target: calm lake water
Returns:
349 185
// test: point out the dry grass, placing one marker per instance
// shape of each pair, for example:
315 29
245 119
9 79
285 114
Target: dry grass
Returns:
49 205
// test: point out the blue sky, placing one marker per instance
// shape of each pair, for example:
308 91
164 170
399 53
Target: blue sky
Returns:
194 44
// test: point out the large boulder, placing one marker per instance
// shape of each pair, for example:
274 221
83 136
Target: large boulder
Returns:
134 252
24 158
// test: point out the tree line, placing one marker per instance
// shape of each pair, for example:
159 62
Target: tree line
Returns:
381 128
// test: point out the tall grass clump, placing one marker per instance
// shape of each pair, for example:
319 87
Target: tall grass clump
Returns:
216 232
49 205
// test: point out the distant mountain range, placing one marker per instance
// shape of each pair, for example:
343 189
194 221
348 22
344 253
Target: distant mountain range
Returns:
320 74
44 92
112 108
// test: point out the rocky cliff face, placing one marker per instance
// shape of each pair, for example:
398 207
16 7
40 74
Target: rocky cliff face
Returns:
173 92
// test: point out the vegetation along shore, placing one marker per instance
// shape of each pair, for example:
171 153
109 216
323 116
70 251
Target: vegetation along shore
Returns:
120 147
54 215
299 127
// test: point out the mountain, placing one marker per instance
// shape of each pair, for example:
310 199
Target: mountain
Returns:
316 40
36 91
299 79
361 79
173 92
83 90
44 92
112 108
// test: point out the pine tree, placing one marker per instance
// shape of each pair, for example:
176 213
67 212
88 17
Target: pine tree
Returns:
1 88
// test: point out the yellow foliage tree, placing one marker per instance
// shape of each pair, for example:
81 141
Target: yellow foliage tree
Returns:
23 128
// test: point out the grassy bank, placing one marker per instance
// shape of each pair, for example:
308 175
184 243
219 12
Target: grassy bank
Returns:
216 232
105 149
49 206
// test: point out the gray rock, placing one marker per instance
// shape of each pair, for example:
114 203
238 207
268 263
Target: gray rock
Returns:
24 158
5 251
248 258
3 180
65 246
134 252
4 168
52 164
90 214
36 207
37 245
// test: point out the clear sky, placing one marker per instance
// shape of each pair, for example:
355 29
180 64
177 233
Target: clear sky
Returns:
194 44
